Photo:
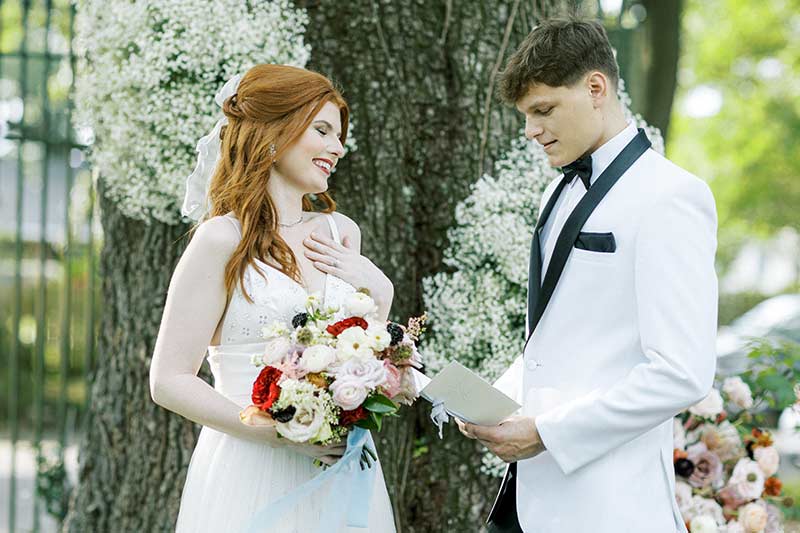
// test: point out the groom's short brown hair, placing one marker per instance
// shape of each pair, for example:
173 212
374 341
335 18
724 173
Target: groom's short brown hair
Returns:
558 52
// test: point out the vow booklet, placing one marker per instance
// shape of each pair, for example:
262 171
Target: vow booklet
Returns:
468 396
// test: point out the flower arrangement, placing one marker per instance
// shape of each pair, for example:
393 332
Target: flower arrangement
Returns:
726 470
333 369
147 75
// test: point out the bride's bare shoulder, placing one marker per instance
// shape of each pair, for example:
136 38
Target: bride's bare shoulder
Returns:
346 225
218 235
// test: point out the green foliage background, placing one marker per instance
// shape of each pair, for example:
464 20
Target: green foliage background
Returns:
748 151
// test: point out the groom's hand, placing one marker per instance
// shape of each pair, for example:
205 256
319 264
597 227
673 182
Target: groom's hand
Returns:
512 440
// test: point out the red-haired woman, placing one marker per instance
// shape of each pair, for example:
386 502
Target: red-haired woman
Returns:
260 251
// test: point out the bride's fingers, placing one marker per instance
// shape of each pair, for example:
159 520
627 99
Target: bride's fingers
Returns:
322 258
322 241
328 269
336 448
320 249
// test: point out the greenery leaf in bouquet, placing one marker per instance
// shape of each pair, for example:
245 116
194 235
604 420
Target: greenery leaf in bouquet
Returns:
373 422
378 403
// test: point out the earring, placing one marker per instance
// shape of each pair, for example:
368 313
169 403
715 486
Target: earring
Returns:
272 150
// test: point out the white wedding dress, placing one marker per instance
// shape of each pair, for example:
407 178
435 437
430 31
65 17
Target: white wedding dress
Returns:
230 479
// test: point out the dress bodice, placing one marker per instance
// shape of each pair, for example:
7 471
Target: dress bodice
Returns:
276 297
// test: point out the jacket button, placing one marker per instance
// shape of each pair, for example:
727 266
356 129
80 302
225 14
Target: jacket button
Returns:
532 364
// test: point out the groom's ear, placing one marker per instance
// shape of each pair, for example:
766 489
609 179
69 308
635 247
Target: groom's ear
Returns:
599 87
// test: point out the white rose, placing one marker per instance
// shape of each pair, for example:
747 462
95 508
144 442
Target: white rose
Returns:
348 392
678 434
359 304
708 407
700 506
703 524
275 350
276 329
768 459
738 391
370 373
353 342
753 517
683 495
379 338
256 359
317 358
734 527
307 422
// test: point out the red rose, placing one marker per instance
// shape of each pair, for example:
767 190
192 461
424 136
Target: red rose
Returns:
336 329
348 418
266 389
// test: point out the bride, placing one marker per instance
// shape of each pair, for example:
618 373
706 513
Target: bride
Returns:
259 253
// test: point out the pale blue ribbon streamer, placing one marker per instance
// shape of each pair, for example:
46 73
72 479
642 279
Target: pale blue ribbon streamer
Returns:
439 415
350 498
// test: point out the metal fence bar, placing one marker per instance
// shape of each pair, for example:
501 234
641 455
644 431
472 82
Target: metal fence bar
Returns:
16 344
66 325
41 323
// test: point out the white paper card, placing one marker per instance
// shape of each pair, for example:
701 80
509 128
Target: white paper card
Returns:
468 396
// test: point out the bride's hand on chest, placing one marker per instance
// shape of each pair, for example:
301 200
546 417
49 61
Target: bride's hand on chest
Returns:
346 262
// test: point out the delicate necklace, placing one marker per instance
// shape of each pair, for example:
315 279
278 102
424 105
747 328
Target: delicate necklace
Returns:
292 224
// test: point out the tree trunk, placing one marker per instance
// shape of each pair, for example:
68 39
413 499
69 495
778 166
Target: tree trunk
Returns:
663 34
134 455
420 79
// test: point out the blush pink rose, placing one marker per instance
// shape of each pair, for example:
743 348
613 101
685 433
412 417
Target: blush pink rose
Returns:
393 379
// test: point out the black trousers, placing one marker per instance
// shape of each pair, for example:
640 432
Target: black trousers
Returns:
503 518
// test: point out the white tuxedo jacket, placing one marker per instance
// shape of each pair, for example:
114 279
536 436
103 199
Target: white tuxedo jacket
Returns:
625 342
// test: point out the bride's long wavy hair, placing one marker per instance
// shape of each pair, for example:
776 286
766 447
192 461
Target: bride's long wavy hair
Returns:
273 107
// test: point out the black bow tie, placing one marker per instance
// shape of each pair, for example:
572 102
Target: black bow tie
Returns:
581 168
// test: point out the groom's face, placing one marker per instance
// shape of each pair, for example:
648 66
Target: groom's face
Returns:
564 120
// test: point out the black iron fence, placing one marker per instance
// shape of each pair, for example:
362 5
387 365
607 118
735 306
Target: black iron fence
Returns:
49 237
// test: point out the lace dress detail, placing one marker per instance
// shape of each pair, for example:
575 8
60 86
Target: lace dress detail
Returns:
229 479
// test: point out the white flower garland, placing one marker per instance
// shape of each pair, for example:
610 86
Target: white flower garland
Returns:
477 312
147 78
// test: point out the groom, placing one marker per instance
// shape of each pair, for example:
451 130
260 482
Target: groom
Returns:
622 305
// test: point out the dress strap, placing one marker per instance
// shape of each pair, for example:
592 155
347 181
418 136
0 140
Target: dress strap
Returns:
334 229
230 217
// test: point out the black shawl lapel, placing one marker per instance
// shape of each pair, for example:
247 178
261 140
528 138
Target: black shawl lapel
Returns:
535 265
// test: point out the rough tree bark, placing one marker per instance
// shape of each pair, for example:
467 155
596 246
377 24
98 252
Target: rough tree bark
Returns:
420 78
134 455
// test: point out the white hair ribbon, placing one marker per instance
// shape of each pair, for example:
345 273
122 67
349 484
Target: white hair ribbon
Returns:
195 200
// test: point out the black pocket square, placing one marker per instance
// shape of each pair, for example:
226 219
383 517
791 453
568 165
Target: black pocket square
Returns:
596 242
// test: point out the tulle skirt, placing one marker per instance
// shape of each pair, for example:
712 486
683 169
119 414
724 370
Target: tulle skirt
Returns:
230 479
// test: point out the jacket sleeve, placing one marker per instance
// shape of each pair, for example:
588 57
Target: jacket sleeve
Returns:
676 306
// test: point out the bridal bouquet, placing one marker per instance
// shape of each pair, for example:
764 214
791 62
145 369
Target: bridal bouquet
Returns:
725 475
333 369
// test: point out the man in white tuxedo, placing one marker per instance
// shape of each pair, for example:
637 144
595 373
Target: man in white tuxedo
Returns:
622 305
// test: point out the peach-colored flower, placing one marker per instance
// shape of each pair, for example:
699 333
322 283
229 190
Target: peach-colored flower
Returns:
768 459
753 517
253 416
